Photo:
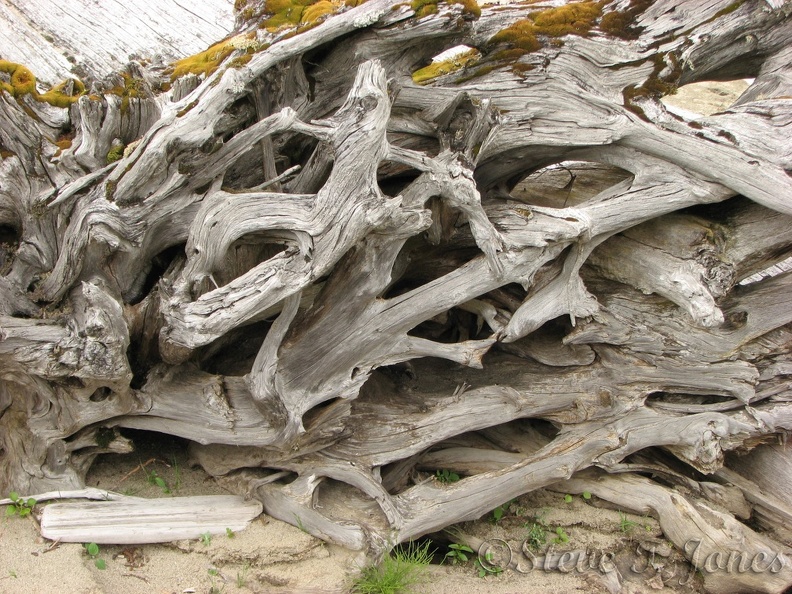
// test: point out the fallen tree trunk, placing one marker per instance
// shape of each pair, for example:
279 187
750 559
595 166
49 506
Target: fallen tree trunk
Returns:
319 257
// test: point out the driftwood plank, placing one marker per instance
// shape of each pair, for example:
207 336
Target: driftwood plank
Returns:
148 520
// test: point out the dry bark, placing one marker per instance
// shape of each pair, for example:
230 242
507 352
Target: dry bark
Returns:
331 279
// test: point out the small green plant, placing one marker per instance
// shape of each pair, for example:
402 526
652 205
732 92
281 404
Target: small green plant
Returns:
586 495
490 568
230 533
12 574
500 511
458 553
155 479
206 539
19 506
300 524
93 552
213 574
561 536
241 576
567 498
446 476
625 524
537 534
405 567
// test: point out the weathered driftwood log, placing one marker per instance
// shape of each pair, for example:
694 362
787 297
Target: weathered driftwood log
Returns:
332 265
135 520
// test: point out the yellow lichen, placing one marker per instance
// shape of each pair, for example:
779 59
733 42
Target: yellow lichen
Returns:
436 69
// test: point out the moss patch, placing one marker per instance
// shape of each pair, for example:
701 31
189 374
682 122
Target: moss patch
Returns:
436 69
115 153
424 8
655 86
133 88
546 27
621 23
23 82
208 61
300 14
729 9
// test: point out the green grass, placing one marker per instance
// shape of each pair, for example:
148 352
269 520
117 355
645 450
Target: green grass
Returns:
403 568
625 524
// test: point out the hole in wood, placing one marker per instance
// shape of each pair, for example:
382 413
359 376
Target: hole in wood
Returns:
101 394
705 98
568 183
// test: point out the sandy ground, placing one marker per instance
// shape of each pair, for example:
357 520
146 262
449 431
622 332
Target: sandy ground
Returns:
270 556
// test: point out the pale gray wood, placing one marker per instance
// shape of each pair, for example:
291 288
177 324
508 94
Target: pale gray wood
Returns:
330 278
140 521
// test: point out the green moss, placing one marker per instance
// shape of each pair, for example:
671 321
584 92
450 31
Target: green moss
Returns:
522 68
436 69
115 153
481 71
22 82
729 9
284 13
59 96
186 109
240 61
654 87
570 19
469 7
545 27
424 8
62 145
205 62
621 24
317 11
110 188
520 35
133 88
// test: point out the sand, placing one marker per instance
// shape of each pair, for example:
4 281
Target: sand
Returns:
271 556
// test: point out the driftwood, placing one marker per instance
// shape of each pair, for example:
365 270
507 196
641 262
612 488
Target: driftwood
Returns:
135 520
332 266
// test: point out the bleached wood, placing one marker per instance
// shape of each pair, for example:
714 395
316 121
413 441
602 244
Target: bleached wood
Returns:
316 269
140 521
